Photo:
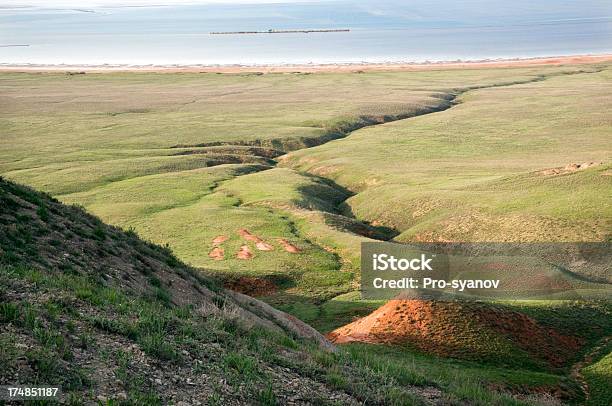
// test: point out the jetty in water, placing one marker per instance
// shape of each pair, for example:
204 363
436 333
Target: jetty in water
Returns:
278 31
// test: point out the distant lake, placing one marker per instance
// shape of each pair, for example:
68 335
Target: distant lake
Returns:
380 31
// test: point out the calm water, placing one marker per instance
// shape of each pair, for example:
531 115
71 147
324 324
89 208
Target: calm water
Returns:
380 31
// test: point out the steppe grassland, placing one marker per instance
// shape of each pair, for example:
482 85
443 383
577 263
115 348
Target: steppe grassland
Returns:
472 172
67 119
80 136
105 141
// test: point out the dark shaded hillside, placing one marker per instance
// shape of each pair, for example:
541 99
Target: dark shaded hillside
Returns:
109 317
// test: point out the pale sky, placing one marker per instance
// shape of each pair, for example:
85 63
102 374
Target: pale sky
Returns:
102 3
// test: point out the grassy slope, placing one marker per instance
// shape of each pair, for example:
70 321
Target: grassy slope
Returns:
147 331
194 214
471 165
110 317
598 377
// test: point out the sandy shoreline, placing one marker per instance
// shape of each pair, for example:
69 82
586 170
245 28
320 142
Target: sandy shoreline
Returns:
312 68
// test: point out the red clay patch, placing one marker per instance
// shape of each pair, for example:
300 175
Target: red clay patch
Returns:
458 330
264 246
217 253
219 240
246 234
244 252
259 243
288 246
251 286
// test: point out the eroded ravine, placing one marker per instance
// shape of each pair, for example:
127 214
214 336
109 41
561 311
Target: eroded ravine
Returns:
268 153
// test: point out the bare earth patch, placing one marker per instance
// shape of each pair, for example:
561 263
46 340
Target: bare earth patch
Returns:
264 246
246 234
573 167
244 252
260 244
220 240
217 253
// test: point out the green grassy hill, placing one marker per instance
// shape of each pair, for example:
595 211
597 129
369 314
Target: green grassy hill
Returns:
598 376
117 320
113 319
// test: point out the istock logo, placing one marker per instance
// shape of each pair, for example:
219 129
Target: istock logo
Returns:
384 262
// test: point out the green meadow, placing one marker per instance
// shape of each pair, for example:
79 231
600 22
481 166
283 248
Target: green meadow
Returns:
476 171
324 162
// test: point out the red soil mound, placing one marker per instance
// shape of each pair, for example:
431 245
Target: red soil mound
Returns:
459 330
259 243
217 253
219 240
288 246
244 252
251 286
264 246
246 234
